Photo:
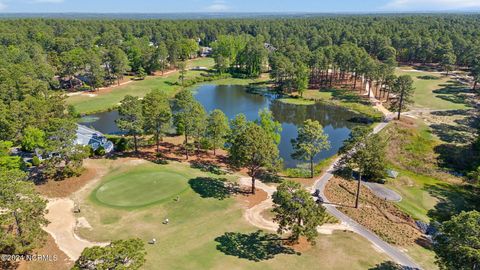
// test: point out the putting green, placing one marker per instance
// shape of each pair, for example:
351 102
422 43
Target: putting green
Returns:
141 186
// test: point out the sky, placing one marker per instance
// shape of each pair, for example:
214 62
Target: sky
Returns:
180 6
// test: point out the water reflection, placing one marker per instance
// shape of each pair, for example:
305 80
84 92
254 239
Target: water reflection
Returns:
234 99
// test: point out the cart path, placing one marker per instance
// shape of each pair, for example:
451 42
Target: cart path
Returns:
254 214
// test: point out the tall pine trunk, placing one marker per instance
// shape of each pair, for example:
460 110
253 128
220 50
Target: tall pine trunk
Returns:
253 183
135 142
358 190
311 167
186 145
400 105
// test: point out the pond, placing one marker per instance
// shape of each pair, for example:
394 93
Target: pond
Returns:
234 99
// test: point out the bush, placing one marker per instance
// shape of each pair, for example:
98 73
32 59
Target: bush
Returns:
100 151
160 159
269 177
121 143
36 161
297 173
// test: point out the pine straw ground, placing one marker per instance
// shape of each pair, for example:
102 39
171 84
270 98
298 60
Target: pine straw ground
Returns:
378 215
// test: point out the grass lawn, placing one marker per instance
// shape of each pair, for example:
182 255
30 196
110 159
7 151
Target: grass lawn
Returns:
188 241
103 101
435 91
416 199
297 101
109 99
345 98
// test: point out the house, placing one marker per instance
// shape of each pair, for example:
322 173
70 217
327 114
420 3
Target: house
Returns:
87 136
205 51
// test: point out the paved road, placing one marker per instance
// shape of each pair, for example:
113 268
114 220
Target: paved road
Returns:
393 252
383 192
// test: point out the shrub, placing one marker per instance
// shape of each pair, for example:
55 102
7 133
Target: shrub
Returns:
160 159
36 161
121 143
100 151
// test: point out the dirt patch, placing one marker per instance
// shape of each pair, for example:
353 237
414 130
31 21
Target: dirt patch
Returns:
59 189
50 248
250 200
302 245
380 216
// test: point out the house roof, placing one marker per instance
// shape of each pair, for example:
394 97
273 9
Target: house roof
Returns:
88 136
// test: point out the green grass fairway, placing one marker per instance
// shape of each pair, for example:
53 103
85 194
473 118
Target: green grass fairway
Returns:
196 221
142 186
435 91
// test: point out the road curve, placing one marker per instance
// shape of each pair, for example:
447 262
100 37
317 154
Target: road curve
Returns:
393 252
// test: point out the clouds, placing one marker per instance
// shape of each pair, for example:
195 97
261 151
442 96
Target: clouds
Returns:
218 6
3 6
411 5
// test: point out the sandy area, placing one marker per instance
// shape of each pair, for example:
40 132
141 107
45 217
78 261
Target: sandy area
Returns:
62 228
63 221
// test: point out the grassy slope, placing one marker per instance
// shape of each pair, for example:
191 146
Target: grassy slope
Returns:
434 94
347 99
188 241
411 152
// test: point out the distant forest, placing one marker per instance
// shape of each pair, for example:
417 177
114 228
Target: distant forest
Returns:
40 56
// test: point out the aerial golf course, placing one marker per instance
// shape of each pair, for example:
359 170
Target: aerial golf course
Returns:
134 200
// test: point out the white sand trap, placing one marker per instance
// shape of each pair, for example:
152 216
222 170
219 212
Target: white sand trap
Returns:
82 222
62 228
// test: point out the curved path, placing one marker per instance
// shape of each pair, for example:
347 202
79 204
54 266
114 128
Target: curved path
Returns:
254 214
392 251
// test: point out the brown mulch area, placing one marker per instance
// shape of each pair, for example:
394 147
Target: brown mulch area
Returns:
172 149
250 200
59 189
302 245
51 249
378 215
